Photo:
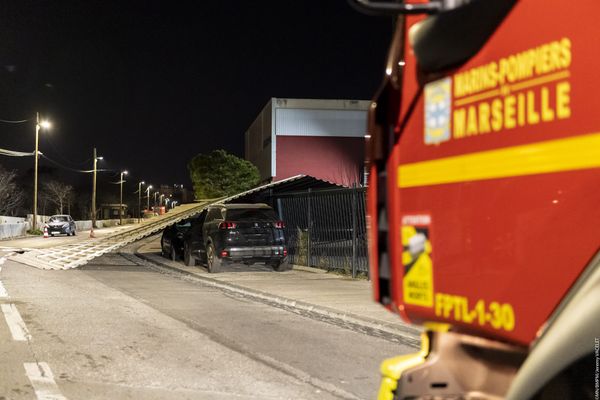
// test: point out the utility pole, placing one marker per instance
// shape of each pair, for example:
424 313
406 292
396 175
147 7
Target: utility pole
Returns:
38 125
121 197
94 192
35 174
140 200
148 197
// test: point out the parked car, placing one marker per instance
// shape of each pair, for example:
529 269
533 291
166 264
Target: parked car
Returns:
171 242
227 233
61 224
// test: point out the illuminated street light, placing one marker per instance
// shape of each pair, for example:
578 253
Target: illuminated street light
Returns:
140 200
96 158
148 197
38 125
121 197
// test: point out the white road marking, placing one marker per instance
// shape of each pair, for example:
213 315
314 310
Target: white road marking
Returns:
3 292
42 380
17 326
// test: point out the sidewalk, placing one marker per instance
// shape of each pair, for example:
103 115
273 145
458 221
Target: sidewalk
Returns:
303 290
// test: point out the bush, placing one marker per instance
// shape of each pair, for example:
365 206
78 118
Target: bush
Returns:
36 231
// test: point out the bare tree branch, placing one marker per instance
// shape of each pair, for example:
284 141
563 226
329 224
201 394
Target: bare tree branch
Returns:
11 197
58 193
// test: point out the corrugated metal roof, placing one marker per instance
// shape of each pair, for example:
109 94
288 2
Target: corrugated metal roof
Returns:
292 184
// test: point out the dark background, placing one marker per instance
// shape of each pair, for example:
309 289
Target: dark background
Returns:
152 83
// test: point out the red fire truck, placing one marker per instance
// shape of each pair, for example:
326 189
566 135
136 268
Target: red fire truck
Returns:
484 197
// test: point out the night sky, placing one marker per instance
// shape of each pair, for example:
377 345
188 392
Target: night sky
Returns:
152 83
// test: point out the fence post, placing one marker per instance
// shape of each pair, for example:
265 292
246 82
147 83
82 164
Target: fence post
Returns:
308 232
354 228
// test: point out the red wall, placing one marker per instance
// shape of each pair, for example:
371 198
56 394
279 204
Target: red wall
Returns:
335 159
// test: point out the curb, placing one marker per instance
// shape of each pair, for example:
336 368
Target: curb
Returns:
405 335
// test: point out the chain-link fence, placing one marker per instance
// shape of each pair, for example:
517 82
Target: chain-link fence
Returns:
325 228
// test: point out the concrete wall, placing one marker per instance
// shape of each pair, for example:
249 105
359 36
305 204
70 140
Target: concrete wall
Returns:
13 230
11 220
258 142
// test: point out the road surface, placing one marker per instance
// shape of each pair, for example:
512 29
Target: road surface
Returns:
120 330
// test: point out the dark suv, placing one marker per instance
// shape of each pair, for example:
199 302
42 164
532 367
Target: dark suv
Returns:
228 233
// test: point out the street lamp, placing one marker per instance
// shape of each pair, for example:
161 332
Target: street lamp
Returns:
140 199
160 199
38 125
96 158
121 201
148 197
155 193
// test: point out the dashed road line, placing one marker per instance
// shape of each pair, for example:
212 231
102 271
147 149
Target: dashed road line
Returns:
42 380
15 323
39 373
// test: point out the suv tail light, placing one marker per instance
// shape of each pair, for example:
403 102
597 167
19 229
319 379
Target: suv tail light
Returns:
279 224
227 225
284 252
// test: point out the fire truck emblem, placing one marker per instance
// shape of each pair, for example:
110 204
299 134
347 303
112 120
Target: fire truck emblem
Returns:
438 104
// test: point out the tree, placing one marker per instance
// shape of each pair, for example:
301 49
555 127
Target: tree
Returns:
58 194
11 197
221 174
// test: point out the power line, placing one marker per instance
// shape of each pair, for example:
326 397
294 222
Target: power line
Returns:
89 171
61 156
12 153
14 122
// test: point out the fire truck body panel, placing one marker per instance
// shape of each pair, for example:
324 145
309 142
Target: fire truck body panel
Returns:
492 182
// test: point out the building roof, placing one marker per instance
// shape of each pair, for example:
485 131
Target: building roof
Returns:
292 184
236 206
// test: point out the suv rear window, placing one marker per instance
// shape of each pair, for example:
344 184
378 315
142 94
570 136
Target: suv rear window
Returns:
251 214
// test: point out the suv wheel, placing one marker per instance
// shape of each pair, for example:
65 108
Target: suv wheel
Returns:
281 266
188 258
212 261
162 249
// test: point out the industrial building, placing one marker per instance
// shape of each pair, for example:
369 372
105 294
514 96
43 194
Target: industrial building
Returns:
316 137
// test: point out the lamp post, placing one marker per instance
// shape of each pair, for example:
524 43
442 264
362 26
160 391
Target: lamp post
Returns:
38 124
96 158
121 199
148 197
140 200
160 200
155 193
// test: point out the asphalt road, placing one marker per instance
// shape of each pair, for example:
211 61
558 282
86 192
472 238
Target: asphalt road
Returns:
116 329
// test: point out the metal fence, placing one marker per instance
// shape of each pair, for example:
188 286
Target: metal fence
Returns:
326 228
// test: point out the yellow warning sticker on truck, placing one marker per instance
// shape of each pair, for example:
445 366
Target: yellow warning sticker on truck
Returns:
417 260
